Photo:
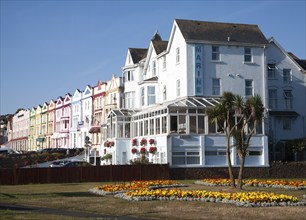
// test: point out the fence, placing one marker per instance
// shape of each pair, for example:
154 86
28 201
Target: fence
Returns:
84 174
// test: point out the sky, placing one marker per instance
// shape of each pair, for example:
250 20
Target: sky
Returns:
51 48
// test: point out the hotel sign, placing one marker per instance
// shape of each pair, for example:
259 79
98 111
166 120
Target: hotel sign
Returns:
198 69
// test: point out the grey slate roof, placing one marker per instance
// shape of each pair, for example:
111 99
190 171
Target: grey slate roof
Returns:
159 46
219 32
138 54
302 63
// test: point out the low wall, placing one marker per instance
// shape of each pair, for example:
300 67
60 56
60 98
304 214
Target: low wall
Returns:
276 170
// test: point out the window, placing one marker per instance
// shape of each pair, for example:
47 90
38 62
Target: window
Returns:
177 55
129 76
287 124
173 124
272 98
129 99
164 124
216 87
201 124
271 71
248 87
287 75
151 126
142 94
185 158
164 63
151 95
165 93
193 124
157 126
247 55
288 99
154 68
215 55
178 87
182 124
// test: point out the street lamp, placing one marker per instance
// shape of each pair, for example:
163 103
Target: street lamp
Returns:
87 146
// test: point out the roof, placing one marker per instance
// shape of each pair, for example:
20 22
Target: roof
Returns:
221 32
184 102
159 46
138 54
302 63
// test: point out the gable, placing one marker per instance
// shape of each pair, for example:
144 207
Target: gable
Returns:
221 32
87 92
77 95
67 99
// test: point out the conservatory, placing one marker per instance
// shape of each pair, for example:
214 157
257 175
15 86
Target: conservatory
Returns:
180 133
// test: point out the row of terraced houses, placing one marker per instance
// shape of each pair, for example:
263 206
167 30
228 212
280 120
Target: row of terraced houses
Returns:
157 109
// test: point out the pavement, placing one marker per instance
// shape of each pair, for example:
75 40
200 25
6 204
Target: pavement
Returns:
60 212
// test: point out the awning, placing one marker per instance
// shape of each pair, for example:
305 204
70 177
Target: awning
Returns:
284 113
94 130
40 139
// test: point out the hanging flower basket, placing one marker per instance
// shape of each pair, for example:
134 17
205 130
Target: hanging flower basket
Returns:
134 150
151 141
143 142
152 150
134 142
143 150
109 143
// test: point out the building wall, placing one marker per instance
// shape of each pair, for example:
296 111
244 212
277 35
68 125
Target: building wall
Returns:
20 131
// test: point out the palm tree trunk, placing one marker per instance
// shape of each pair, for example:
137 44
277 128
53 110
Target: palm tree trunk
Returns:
240 176
229 163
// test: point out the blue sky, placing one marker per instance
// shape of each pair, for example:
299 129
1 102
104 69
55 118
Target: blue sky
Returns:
50 48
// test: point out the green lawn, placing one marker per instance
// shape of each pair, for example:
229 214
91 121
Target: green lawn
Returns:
75 197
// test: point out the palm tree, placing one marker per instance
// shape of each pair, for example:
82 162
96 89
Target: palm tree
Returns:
251 115
223 115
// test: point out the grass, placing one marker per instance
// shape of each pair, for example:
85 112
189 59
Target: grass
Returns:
75 197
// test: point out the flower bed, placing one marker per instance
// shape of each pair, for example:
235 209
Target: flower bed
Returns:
111 189
246 199
297 185
154 190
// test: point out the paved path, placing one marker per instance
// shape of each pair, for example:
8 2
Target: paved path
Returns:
77 214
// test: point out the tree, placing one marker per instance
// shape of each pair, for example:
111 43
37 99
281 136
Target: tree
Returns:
250 115
238 119
223 115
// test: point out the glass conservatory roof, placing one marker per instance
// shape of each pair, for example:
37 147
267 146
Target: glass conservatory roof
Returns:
186 102
122 112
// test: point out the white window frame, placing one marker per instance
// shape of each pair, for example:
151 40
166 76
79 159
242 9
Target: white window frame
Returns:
151 97
287 76
249 88
164 63
153 68
272 103
271 71
177 55
215 53
248 58
288 99
216 87
142 96
178 88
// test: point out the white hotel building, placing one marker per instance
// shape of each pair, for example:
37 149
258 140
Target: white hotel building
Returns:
169 86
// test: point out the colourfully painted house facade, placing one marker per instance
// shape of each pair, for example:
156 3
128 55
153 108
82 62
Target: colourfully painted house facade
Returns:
169 87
